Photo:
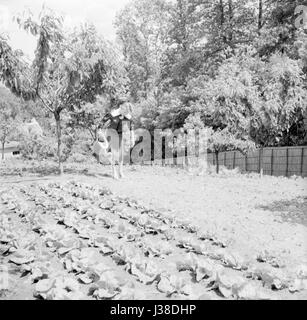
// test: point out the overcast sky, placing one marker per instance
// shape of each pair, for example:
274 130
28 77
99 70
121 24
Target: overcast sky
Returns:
100 12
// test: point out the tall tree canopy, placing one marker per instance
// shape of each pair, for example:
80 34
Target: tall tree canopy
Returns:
142 29
239 64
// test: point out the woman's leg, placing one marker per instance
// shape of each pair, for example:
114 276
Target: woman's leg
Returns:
121 158
113 165
121 170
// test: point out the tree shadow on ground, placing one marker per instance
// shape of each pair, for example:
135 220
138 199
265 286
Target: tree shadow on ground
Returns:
293 211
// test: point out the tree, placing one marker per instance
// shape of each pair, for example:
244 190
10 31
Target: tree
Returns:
15 72
283 102
142 28
205 33
9 109
182 55
90 115
68 69
223 140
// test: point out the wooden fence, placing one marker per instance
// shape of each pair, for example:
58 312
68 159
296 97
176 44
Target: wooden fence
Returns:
280 161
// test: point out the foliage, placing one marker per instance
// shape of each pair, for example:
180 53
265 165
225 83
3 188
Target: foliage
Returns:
89 116
223 140
14 71
78 247
240 65
9 117
37 147
68 70
142 28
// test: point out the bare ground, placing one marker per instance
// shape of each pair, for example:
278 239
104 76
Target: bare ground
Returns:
256 213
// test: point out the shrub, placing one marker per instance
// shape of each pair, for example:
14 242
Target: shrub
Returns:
37 148
78 158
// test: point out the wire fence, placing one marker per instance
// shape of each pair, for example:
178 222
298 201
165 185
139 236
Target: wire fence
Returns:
279 161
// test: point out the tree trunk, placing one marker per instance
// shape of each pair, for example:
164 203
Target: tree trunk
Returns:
217 162
230 33
93 134
222 12
260 14
2 150
222 21
59 139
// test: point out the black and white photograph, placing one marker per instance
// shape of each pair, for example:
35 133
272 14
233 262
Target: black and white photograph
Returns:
153 150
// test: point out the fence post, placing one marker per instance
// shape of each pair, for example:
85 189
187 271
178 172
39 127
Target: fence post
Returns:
246 163
302 161
225 153
287 162
272 161
234 160
260 161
